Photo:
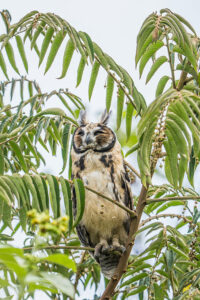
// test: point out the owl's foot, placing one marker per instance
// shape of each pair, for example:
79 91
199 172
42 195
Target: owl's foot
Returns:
100 248
117 247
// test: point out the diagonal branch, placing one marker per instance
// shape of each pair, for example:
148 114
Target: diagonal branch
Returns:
183 198
156 217
129 211
59 247
121 269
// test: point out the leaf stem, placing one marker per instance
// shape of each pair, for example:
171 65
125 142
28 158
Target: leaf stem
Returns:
183 198
131 212
132 169
165 216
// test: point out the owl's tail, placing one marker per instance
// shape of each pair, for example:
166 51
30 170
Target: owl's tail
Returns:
108 264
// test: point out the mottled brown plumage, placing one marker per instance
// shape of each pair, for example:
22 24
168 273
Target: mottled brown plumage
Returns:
97 160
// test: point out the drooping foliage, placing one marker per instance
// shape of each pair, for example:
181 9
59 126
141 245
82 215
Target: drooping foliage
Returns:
168 133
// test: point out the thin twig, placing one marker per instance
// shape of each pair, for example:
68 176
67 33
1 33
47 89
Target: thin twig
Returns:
131 212
121 268
78 273
132 169
165 216
59 247
183 198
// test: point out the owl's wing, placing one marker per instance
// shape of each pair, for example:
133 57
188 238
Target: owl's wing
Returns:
126 185
84 236
80 228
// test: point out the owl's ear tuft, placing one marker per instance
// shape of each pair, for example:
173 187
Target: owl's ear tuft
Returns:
82 118
105 117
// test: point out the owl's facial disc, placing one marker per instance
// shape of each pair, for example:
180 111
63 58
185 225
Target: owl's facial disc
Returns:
93 136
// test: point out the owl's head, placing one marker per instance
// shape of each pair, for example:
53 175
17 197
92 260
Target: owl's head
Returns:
95 136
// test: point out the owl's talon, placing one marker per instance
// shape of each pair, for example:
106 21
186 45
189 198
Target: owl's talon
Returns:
119 249
105 249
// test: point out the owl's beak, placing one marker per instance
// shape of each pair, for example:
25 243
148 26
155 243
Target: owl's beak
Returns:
88 139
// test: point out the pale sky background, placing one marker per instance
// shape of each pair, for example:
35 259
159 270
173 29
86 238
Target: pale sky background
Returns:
113 25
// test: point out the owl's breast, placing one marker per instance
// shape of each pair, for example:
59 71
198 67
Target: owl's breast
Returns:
102 173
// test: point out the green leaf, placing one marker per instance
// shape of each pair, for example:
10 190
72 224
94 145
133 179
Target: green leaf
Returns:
7 216
37 180
143 43
133 279
39 29
60 282
169 204
51 111
120 105
93 77
80 70
171 150
80 200
150 51
131 150
178 251
4 197
157 64
45 43
11 57
101 57
53 196
19 155
129 115
69 50
158 291
23 218
88 44
54 49
109 91
29 183
177 135
66 104
65 144
3 65
137 290
66 190
2 164
61 259
22 51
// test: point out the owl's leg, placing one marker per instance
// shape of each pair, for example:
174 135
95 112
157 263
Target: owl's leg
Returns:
101 247
116 246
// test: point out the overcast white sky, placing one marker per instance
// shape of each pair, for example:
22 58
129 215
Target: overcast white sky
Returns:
113 24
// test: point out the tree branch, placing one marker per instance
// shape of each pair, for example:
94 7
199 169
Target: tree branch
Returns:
182 80
183 198
165 216
78 273
132 169
59 247
129 211
131 238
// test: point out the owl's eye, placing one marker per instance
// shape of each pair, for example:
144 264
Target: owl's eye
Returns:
98 132
81 132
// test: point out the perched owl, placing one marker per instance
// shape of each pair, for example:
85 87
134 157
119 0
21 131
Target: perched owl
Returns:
97 161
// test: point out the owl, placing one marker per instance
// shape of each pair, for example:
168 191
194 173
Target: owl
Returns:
98 162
